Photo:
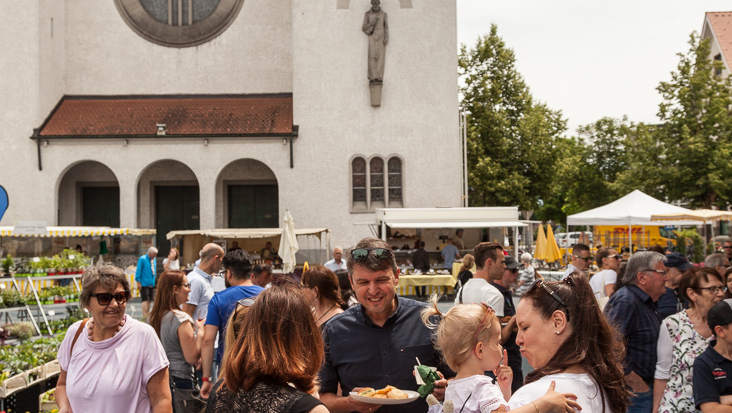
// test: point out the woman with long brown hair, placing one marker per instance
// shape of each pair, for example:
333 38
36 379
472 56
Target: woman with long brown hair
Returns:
566 338
180 339
274 366
323 293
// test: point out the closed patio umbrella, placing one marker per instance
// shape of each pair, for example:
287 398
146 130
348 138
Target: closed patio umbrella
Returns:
288 244
552 249
540 251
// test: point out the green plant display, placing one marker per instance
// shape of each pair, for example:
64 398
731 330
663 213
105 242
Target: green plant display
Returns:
23 330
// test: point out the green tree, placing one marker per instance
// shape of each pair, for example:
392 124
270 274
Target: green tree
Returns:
512 140
696 134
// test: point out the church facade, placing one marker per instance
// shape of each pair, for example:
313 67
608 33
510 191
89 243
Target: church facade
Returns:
188 114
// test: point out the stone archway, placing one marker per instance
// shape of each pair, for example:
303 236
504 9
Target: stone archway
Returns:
247 196
88 195
168 200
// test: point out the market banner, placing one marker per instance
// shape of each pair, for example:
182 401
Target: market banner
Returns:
3 201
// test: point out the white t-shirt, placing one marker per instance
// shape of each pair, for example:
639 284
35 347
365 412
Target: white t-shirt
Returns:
201 292
596 282
478 290
588 394
111 376
484 395
175 265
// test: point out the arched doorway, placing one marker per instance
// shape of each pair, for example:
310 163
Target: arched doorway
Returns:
88 195
247 196
168 200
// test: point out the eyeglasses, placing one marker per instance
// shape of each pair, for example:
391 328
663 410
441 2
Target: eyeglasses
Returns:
727 247
587 259
662 272
617 257
106 298
185 285
245 302
714 290
550 292
361 254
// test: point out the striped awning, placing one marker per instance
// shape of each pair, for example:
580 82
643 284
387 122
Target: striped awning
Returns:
79 232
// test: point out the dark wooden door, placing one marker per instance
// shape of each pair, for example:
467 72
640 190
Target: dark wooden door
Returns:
176 208
253 206
100 206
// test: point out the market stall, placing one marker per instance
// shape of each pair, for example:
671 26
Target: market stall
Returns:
313 248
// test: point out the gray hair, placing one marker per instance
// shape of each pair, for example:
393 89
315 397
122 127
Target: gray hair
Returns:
152 250
526 257
107 276
640 261
714 260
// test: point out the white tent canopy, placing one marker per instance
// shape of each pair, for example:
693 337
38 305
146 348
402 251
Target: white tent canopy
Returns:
488 217
636 208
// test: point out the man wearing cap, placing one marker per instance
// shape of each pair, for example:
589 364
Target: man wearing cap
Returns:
581 259
713 368
633 310
508 333
671 302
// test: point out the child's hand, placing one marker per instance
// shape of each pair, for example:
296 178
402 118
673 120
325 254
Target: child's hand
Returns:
504 376
558 402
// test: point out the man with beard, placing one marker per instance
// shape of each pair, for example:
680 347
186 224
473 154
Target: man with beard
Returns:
238 271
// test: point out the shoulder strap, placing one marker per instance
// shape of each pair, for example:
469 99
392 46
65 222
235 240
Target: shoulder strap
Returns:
460 295
76 337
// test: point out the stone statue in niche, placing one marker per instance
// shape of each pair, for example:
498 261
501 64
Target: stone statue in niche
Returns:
376 26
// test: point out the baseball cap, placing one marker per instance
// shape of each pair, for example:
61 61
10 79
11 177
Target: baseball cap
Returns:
511 263
720 314
676 260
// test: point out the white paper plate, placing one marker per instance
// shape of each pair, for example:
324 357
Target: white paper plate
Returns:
413 395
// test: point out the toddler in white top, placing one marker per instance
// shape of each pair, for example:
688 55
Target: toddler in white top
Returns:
469 337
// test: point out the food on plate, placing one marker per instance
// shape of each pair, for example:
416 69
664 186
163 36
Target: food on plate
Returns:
388 392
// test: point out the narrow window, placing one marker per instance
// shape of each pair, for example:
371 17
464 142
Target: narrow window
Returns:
376 181
358 168
395 182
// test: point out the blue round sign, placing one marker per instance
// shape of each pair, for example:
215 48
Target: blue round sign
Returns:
4 201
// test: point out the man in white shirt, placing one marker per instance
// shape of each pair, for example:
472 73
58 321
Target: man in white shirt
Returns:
489 263
200 280
336 263
581 259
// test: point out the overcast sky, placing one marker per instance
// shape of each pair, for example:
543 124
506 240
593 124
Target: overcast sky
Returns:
591 59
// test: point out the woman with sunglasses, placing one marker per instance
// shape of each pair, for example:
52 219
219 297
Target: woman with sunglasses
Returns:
111 362
181 339
566 339
684 336
274 366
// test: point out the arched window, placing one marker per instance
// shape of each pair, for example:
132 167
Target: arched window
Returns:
358 171
395 182
376 179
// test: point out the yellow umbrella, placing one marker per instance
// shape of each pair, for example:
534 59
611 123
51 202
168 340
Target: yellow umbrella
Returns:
552 250
540 251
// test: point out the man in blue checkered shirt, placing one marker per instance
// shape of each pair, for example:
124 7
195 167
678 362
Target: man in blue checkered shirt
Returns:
633 310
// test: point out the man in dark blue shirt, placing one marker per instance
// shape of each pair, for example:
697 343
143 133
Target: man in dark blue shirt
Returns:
713 368
633 310
377 342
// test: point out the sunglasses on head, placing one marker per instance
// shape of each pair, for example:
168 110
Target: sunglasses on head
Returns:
551 292
245 302
106 298
361 254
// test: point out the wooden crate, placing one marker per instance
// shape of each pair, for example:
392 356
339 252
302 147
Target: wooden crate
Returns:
51 368
13 384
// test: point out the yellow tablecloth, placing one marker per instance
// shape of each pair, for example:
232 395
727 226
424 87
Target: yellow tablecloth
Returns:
442 283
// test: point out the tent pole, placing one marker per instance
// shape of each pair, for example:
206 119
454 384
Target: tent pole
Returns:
383 230
630 237
515 244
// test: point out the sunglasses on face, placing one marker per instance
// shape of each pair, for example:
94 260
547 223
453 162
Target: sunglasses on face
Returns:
617 257
727 247
361 254
587 259
549 291
106 298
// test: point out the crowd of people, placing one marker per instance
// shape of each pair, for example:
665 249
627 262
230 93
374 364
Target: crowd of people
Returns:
596 343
